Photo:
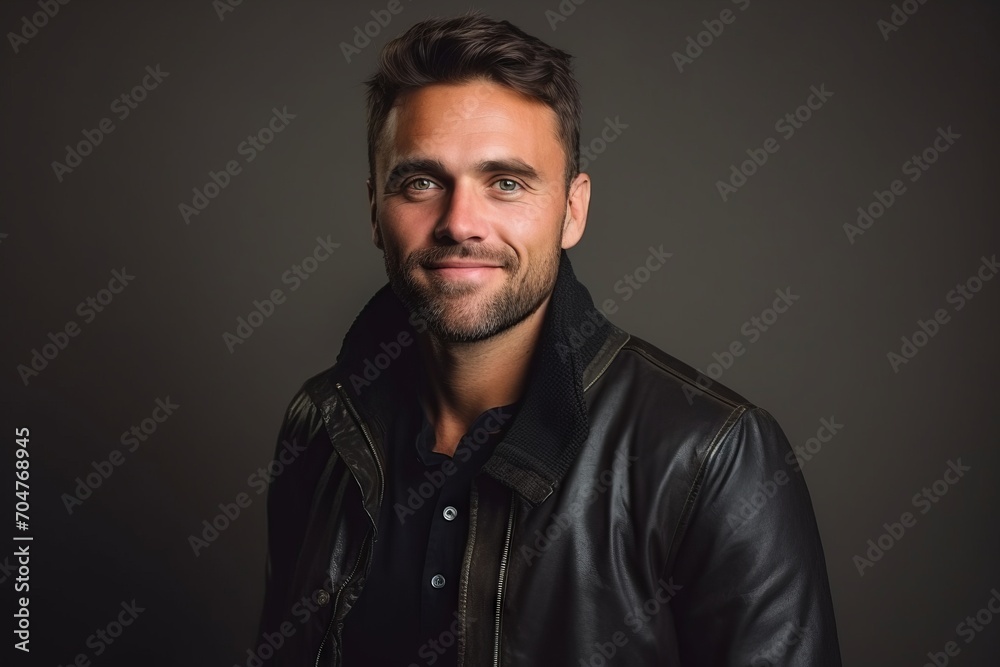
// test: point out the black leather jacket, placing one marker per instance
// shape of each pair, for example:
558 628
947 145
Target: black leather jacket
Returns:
630 515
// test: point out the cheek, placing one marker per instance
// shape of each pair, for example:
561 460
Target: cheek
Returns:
404 226
535 227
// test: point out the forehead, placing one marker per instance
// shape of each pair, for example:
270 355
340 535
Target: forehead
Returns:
461 124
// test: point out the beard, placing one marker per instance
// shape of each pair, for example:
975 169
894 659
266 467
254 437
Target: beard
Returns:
466 312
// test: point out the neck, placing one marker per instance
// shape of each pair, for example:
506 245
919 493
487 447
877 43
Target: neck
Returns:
378 369
463 380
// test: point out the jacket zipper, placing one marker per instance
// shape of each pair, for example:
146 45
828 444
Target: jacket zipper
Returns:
381 485
500 584
336 602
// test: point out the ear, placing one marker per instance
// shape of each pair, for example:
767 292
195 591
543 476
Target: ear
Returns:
373 208
576 210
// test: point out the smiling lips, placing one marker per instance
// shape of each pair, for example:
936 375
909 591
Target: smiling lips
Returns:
453 269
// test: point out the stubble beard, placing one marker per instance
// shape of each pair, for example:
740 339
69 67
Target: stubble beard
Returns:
466 312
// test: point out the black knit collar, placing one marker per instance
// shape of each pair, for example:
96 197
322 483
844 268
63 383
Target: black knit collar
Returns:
551 423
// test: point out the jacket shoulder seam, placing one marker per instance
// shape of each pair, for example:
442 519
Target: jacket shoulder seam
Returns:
617 341
632 346
696 484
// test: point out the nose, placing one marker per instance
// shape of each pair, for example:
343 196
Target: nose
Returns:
465 216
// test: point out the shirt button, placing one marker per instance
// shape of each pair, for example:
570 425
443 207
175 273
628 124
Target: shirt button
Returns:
437 581
322 597
449 513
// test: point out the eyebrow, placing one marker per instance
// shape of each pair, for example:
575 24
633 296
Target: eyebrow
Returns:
412 166
511 166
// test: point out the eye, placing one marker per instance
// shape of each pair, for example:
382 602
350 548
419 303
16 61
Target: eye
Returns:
420 184
508 185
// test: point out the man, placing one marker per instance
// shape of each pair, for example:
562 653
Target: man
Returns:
494 473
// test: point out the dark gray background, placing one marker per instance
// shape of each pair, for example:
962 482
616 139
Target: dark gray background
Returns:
656 184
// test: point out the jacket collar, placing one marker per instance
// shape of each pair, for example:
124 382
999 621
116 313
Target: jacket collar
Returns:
379 356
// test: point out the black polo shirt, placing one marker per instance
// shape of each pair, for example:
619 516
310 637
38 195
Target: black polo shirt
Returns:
407 613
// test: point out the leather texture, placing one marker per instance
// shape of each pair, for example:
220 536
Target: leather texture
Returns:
679 532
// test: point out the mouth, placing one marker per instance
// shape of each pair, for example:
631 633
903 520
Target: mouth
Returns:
459 270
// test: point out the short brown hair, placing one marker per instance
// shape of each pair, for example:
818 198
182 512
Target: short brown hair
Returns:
467 47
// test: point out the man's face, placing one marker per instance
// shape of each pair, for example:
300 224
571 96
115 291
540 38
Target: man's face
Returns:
470 206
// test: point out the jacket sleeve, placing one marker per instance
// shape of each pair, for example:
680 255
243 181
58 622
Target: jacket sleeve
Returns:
303 441
755 587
